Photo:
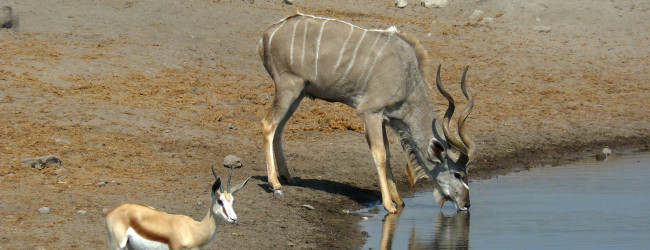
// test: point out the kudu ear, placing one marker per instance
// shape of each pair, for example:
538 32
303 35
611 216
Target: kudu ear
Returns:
436 150
240 186
215 186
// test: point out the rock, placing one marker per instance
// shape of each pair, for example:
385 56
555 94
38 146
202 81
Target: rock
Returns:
476 16
82 212
542 28
605 154
401 3
44 210
434 3
59 140
41 161
308 207
102 183
486 20
288 2
6 17
60 171
232 161
199 203
232 127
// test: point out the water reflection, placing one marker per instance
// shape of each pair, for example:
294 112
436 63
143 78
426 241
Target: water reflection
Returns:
591 205
450 232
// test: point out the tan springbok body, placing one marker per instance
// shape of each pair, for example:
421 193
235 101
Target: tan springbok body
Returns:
135 226
377 72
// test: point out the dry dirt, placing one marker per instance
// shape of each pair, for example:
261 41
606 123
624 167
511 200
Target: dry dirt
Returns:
147 95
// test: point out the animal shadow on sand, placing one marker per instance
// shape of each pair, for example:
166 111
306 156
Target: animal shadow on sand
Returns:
359 195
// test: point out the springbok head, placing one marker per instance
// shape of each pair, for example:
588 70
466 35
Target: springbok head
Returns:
450 171
222 201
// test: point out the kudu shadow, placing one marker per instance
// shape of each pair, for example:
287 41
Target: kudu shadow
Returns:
359 195
450 232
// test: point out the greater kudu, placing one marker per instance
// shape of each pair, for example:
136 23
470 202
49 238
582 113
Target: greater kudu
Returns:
379 73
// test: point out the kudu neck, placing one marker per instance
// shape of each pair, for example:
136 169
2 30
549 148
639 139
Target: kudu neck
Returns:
414 126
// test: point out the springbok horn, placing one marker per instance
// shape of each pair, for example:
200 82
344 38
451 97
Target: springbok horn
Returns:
217 177
452 140
229 177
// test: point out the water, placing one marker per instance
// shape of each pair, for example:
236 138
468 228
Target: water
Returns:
588 205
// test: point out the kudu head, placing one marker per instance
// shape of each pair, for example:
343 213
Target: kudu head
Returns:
222 200
450 170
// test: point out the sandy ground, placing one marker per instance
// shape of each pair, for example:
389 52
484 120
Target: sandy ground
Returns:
140 98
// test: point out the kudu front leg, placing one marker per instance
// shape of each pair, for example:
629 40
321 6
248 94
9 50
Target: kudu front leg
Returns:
392 188
374 136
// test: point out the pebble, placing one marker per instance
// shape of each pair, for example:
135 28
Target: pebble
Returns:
401 3
44 210
434 3
102 183
542 28
232 161
308 206
82 212
288 2
60 171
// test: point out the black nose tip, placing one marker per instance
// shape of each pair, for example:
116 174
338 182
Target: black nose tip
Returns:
467 204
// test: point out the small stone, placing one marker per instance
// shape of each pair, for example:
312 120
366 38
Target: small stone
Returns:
232 127
231 161
434 3
365 217
102 183
44 210
105 210
486 20
476 15
199 203
82 212
59 140
288 2
542 28
401 3
308 207
60 171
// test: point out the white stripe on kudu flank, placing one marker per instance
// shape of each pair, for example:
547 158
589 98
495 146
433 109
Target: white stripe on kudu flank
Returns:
354 55
372 66
304 40
338 61
372 48
271 36
320 35
293 37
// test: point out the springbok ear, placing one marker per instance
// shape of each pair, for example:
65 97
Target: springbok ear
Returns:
240 186
436 150
215 186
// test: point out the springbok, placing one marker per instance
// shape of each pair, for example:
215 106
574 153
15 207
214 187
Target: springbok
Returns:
379 73
136 226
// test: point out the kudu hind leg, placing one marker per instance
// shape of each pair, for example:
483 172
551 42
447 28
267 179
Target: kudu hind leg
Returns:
373 127
288 95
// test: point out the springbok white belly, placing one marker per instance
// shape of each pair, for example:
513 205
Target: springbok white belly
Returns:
135 241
